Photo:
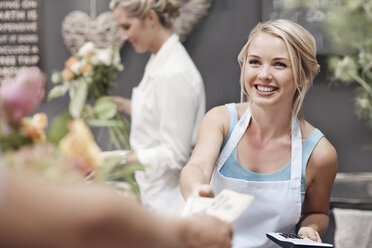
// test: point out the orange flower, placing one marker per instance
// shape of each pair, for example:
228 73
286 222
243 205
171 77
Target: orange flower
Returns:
88 56
67 74
79 145
70 61
35 126
87 67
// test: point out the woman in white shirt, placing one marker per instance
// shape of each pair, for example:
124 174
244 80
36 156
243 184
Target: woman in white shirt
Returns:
166 107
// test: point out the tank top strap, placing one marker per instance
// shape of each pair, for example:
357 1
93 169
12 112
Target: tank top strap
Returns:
233 115
233 121
310 144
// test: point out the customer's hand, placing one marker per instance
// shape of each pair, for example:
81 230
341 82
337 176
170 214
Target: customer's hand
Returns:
205 231
309 232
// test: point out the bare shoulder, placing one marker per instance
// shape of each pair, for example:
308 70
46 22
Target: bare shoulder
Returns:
218 114
217 117
324 155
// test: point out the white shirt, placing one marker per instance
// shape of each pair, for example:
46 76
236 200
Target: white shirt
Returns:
167 108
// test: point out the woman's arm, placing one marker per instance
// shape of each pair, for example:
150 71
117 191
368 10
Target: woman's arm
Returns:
34 213
320 175
198 170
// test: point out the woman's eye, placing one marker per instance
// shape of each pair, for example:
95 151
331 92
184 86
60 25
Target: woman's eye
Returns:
125 27
280 64
254 62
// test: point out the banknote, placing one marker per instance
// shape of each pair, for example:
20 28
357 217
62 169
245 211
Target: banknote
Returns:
228 205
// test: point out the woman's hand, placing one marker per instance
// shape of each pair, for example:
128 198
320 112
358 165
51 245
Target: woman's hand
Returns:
117 153
124 104
310 233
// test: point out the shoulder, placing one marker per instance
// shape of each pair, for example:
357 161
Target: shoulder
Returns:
324 150
179 81
179 70
325 155
178 57
324 159
218 113
179 60
218 117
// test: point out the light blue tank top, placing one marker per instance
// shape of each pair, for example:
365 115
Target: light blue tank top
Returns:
232 168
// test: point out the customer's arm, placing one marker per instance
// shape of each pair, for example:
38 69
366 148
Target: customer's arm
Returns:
34 213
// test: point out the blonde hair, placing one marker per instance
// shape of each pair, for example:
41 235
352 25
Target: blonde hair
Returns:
166 10
301 47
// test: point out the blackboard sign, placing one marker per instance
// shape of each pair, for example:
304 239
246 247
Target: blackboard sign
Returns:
20 35
311 19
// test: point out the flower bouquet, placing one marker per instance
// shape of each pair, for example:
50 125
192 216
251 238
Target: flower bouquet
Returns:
349 23
23 145
19 97
89 75
79 146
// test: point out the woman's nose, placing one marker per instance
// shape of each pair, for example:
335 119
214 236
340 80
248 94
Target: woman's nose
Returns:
265 73
124 36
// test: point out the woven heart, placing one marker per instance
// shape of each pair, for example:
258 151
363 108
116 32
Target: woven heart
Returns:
79 28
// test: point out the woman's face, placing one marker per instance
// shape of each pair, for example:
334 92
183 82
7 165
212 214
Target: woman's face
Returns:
134 29
268 72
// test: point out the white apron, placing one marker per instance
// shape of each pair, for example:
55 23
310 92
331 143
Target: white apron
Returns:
277 204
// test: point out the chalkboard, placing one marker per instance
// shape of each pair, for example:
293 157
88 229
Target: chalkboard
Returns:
20 35
312 20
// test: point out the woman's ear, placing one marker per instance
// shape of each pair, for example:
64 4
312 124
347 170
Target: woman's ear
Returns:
152 17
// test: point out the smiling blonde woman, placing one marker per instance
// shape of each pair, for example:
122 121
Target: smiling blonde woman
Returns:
264 147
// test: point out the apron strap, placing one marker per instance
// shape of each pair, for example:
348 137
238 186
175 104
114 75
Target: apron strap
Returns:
296 151
235 137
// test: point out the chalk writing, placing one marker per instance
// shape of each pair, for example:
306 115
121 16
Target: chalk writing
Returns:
20 42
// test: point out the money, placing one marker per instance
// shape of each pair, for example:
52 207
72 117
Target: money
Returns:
228 205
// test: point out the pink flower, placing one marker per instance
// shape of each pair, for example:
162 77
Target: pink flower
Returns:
21 95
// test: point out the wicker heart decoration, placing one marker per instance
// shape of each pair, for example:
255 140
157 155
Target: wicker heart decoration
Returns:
79 28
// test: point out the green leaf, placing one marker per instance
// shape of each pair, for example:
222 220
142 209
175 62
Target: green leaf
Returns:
78 99
58 129
105 108
57 91
102 123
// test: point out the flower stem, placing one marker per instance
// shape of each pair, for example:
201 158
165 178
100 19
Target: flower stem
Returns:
363 83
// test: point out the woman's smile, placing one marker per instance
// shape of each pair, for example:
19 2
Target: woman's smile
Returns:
265 89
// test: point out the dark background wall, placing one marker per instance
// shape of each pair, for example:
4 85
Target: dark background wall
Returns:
214 45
